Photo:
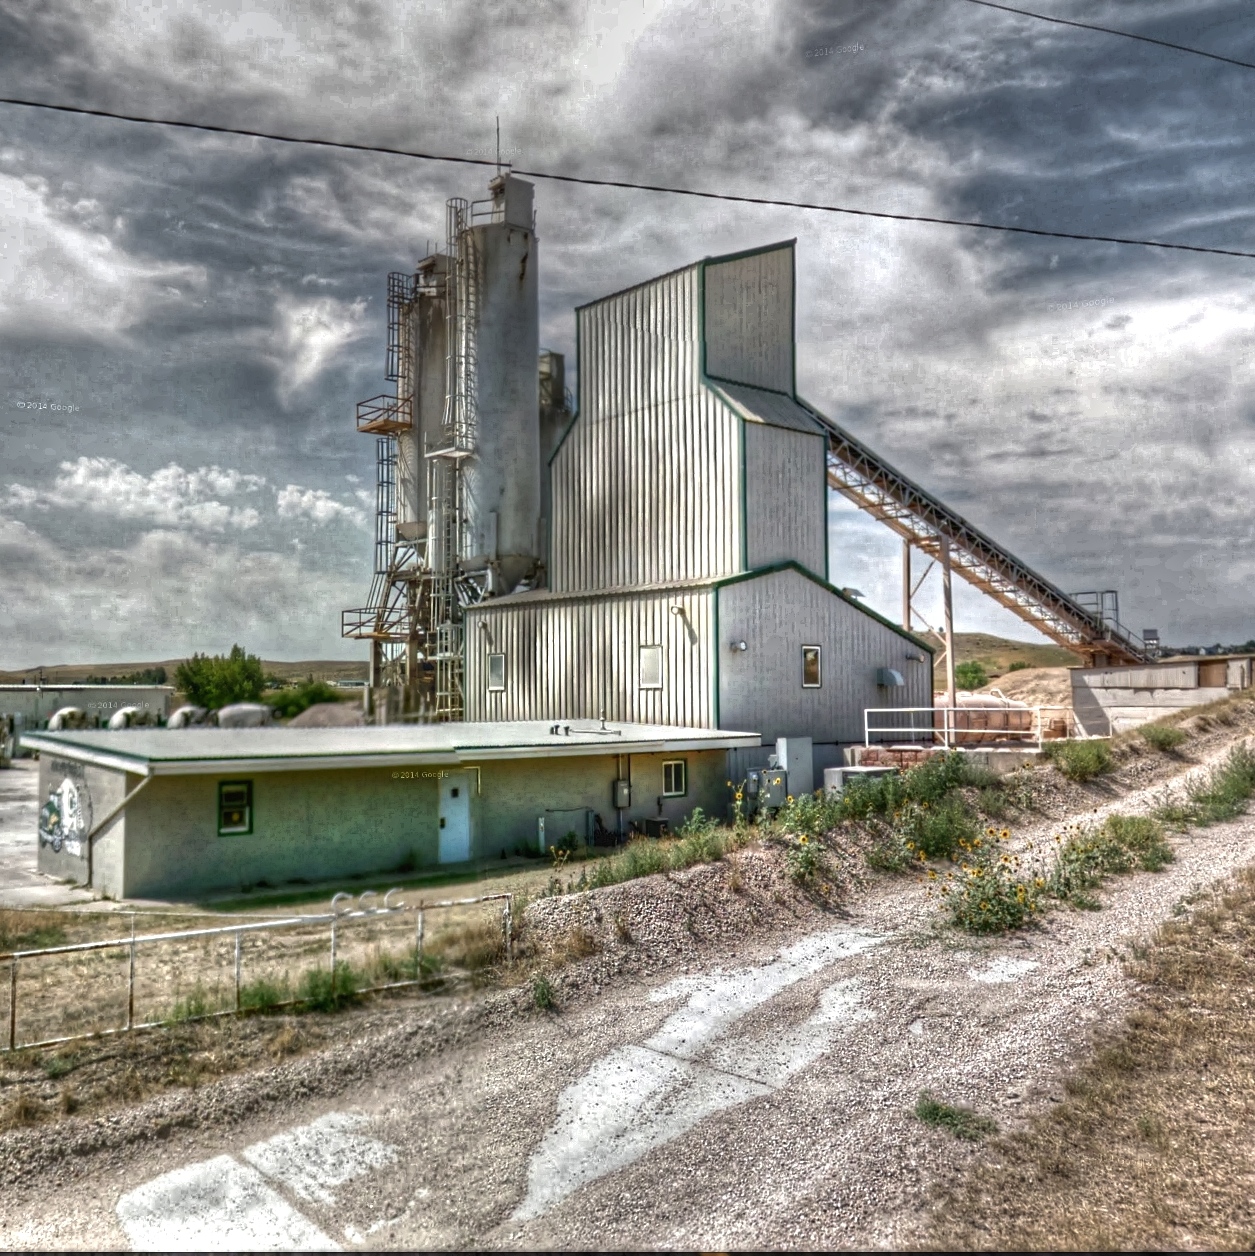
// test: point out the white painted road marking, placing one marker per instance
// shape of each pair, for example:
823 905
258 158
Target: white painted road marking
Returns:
640 1097
220 1205
312 1159
217 1205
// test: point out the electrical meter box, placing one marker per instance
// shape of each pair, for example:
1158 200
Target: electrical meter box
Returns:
622 795
773 789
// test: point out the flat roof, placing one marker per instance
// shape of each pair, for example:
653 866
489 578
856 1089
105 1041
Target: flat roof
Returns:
78 684
204 751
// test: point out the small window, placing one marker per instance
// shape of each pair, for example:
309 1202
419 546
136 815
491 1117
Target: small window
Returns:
651 667
675 782
235 807
496 673
811 674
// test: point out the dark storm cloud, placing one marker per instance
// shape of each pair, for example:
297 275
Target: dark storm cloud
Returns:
215 303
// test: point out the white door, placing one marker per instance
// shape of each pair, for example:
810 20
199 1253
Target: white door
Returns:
455 817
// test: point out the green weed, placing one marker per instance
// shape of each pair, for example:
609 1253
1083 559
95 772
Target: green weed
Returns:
542 992
988 892
1162 737
192 1006
805 860
1222 795
1080 760
961 1122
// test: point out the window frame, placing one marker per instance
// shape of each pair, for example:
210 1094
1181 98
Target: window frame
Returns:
818 683
672 764
247 829
496 688
640 667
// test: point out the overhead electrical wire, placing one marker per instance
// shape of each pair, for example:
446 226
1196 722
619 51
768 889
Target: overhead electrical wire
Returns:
587 181
1110 30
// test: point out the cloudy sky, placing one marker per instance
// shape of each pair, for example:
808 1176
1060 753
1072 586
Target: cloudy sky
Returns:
186 320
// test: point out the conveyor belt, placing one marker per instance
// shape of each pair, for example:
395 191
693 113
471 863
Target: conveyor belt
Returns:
918 517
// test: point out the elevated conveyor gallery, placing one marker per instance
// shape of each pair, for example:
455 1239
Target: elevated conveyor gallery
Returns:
919 518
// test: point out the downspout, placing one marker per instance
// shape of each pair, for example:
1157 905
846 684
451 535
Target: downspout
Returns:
90 839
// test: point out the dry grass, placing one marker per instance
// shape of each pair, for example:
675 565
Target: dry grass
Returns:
1152 1147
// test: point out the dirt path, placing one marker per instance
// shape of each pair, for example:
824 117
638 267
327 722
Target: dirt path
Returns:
762 1102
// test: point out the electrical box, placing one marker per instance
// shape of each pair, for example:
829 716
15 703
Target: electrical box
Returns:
773 789
622 795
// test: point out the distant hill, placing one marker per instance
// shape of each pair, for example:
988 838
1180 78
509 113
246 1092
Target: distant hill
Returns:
997 654
330 670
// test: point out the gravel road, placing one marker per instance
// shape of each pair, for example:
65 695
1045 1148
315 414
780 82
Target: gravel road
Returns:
753 1095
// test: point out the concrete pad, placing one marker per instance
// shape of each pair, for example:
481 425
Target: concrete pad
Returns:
218 1205
21 884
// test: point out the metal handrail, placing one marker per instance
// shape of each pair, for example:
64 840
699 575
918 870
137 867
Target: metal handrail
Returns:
334 918
951 731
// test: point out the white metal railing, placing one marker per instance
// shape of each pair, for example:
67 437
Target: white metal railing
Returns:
957 727
335 918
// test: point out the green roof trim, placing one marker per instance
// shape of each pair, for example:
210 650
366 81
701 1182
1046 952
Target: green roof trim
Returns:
791 564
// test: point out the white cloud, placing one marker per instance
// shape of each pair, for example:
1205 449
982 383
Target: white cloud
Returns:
171 497
60 273
310 335
316 505
180 593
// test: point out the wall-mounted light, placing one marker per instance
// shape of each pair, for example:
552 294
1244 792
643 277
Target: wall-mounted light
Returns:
914 658
852 592
736 646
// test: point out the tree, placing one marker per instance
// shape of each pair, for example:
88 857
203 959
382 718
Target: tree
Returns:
287 703
970 676
217 682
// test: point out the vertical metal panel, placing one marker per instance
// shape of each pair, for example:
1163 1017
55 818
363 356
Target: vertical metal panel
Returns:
785 487
638 496
760 689
574 658
749 319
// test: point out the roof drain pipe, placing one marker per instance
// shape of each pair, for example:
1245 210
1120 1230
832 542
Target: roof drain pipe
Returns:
90 839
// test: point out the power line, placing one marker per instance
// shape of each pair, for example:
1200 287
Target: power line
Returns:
816 206
1109 30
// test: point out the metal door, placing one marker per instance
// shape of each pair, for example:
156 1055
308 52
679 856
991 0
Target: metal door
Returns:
455 817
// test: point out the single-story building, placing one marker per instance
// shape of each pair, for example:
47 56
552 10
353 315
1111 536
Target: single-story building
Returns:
162 813
1107 700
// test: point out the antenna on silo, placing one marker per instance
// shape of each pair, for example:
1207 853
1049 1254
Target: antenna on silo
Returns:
498 143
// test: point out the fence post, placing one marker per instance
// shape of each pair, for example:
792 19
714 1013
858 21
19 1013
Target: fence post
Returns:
130 981
238 940
333 954
13 1004
509 929
418 944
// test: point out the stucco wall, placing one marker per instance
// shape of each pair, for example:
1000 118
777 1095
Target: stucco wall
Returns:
91 793
322 825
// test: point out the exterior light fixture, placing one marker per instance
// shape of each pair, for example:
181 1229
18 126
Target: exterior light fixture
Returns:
739 645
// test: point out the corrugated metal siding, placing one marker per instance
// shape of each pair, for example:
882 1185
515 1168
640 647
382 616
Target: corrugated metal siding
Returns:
761 688
1156 676
570 659
749 319
646 486
785 498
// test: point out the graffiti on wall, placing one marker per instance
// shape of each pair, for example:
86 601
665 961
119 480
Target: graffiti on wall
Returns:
65 818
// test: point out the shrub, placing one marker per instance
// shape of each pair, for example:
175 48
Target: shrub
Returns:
1162 737
217 682
938 831
933 779
324 991
1222 795
262 995
542 992
961 1122
697 846
192 1006
1080 760
813 814
1089 855
1019 665
804 859
287 703
970 676
988 894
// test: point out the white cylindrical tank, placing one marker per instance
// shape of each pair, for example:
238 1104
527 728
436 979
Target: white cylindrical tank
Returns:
501 501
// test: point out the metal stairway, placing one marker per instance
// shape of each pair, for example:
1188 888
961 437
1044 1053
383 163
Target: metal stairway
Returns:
918 517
